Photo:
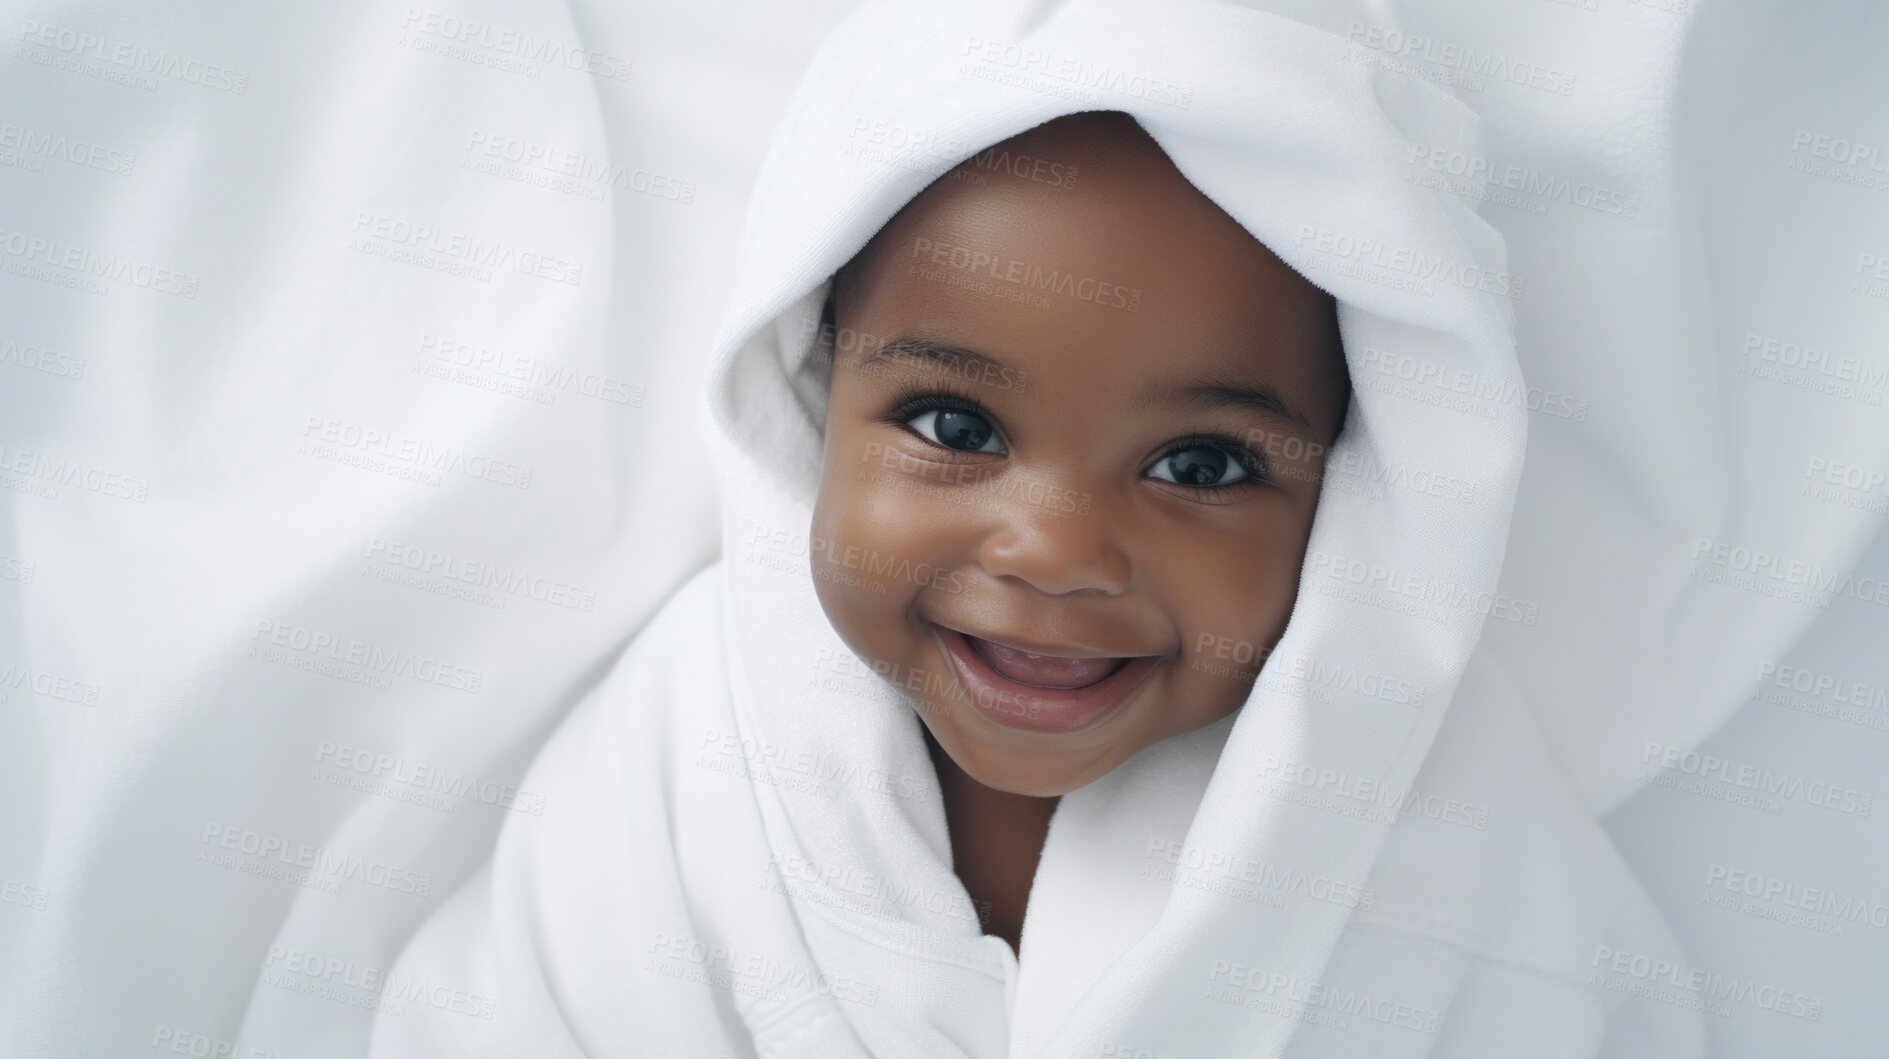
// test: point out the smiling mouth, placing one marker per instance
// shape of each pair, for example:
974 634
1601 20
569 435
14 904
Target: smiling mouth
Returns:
1042 691
1050 672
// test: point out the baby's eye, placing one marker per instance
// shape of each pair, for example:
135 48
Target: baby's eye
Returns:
1199 465
956 428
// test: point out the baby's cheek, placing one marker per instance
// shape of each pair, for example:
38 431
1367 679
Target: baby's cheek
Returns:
1213 678
916 515
1232 621
866 569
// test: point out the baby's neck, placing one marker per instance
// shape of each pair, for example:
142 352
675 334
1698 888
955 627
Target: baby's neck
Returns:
996 841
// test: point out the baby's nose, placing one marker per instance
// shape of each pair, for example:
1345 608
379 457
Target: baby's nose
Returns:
1058 544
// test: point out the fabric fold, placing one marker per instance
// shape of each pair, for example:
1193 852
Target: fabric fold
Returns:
1375 856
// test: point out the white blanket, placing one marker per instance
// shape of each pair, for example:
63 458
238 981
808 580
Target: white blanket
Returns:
258 405
1340 870
1691 191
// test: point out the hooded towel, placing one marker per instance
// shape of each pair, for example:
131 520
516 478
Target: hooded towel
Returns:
1377 855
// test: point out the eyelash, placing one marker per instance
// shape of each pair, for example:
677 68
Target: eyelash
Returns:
914 400
934 398
1258 471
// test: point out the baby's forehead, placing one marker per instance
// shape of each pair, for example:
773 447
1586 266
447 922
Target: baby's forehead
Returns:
1126 270
1137 243
1085 191
1096 159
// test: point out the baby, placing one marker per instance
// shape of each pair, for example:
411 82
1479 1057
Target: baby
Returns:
1097 408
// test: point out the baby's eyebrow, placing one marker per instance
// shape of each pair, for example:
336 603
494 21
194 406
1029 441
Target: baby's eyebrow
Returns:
1204 395
953 357
1211 395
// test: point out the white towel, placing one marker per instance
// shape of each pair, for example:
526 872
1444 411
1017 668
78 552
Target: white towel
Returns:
764 867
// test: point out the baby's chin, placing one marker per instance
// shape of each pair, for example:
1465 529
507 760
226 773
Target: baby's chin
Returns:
1031 772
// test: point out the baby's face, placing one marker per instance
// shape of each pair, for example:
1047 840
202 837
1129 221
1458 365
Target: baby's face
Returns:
1073 447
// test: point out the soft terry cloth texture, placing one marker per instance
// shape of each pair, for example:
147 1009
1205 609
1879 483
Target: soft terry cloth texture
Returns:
1671 178
175 532
767 869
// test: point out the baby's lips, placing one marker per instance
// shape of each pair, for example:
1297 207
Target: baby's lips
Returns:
1043 671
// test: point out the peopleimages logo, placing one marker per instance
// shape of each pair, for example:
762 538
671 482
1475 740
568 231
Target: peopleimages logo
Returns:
323 868
361 985
131 63
969 483
869 561
1191 864
1842 151
1473 62
89 266
533 374
1423 269
415 456
29 357
1642 975
1433 590
1396 800
1842 367
746 971
1744 775
354 659
55 471
1532 189
463 569
1312 994
1483 393
24 678
1067 75
1027 275
490 42
388 772
767 761
42 144
883 890
580 171
473 255
1840 690
1813 899
1767 573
